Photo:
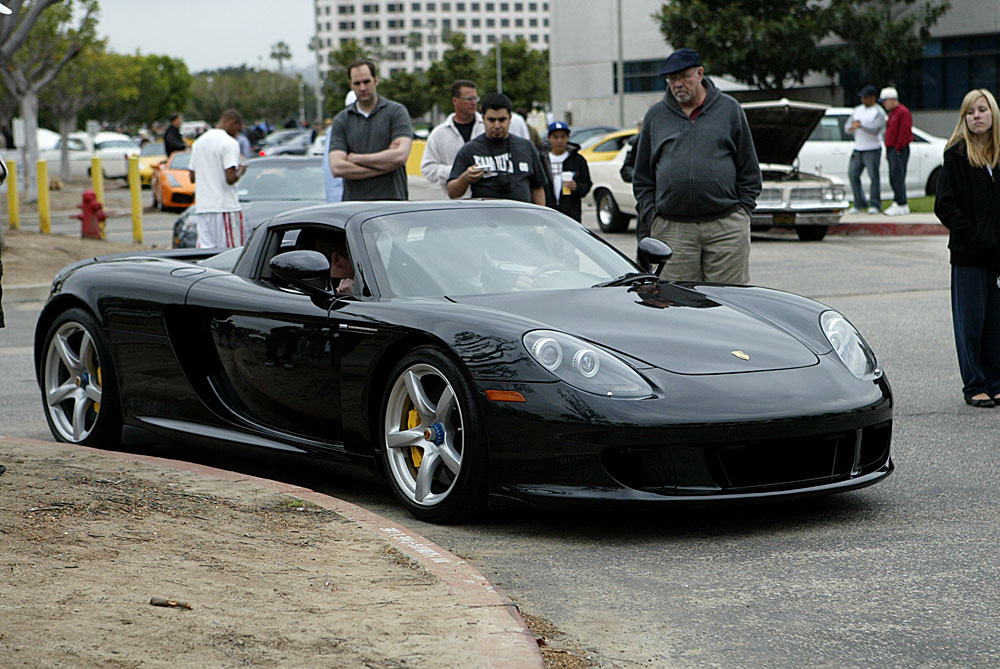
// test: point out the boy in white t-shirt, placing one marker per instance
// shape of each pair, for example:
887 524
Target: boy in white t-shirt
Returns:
866 123
215 169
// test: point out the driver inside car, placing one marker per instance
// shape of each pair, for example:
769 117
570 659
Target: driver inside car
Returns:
341 266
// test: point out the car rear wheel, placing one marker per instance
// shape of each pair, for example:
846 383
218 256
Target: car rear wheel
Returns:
811 233
432 443
609 218
79 389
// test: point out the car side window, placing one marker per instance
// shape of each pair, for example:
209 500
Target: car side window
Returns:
830 129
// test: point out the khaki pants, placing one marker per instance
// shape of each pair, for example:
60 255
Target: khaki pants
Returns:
713 251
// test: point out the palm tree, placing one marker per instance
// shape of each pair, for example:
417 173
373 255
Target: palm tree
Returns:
280 52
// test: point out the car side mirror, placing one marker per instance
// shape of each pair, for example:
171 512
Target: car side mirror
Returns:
654 252
309 270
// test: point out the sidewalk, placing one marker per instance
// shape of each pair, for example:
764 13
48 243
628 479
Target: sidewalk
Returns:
273 574
880 224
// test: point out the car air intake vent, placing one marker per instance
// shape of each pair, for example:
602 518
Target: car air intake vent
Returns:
759 465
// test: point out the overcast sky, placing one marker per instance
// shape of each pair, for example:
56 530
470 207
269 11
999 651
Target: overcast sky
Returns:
208 34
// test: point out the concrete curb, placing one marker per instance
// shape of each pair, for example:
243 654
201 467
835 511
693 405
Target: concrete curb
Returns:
513 646
30 293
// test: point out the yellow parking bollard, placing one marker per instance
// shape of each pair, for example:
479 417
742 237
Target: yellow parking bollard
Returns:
97 178
44 213
12 208
135 189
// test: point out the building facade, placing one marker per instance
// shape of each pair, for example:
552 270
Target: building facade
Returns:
963 53
410 36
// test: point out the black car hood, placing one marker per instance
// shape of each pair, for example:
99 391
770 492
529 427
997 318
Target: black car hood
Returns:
665 325
781 127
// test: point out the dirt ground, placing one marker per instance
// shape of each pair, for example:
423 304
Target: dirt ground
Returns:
87 541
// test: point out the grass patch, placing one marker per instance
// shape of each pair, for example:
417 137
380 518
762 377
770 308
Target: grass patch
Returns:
918 205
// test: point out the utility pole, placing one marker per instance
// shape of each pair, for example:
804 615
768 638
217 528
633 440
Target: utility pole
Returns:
499 69
620 67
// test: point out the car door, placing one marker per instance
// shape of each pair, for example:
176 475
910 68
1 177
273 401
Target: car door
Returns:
277 352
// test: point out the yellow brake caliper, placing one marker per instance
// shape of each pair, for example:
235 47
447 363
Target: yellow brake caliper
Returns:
97 405
416 453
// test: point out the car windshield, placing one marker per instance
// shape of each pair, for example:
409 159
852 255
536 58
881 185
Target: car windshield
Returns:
154 149
484 251
267 180
181 161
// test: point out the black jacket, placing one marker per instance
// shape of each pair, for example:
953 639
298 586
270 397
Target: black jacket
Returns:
571 204
968 204
172 140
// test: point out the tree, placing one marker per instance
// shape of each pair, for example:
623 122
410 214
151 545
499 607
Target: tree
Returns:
254 93
54 39
883 36
336 85
410 90
525 73
79 84
280 52
766 44
140 89
457 62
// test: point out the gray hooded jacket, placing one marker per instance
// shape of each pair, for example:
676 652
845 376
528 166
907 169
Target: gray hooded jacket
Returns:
699 170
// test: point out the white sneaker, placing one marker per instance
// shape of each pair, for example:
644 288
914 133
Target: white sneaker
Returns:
905 209
855 210
874 210
894 210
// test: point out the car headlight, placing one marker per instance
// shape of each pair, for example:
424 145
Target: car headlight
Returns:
173 180
849 345
585 366
835 194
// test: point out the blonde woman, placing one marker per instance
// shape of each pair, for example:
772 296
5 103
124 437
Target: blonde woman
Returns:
968 204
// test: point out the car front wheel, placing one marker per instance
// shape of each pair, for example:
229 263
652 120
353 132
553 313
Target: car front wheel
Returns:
609 217
79 390
432 444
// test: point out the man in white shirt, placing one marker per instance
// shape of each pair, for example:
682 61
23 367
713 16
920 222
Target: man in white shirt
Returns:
445 140
866 123
215 169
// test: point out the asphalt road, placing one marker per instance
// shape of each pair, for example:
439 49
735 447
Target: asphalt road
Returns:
901 574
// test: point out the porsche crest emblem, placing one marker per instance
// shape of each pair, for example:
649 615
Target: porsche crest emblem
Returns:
741 355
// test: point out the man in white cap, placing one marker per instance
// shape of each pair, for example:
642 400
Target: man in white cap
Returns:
898 136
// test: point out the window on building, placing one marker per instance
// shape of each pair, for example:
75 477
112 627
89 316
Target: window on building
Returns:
504 23
641 76
518 6
475 6
519 23
490 7
491 39
445 6
431 6
948 69
415 6
532 6
476 23
504 6
491 23
460 22
477 39
533 23
533 38
459 6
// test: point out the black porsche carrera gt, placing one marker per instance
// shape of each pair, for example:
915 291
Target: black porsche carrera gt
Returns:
490 352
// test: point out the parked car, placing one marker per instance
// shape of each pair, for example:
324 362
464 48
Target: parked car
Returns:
113 148
171 184
269 186
298 144
150 155
483 379
584 135
275 138
607 146
790 198
828 152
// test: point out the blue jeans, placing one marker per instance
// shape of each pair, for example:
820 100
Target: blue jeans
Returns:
897 173
975 312
865 160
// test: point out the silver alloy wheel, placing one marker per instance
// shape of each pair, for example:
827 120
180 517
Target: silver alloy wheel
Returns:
73 386
425 458
605 212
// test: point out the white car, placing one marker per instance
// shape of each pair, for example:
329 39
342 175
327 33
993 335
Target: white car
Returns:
114 149
828 152
806 202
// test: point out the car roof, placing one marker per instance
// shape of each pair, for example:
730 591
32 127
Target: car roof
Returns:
285 159
338 213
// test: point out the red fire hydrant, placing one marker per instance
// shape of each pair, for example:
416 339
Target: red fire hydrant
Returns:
92 216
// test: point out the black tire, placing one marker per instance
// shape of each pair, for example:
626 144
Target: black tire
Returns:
433 448
811 233
609 218
78 382
932 181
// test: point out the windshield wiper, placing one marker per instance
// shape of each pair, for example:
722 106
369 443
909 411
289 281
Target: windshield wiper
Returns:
624 279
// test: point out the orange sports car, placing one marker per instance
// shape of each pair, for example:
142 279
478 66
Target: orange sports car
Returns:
171 183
